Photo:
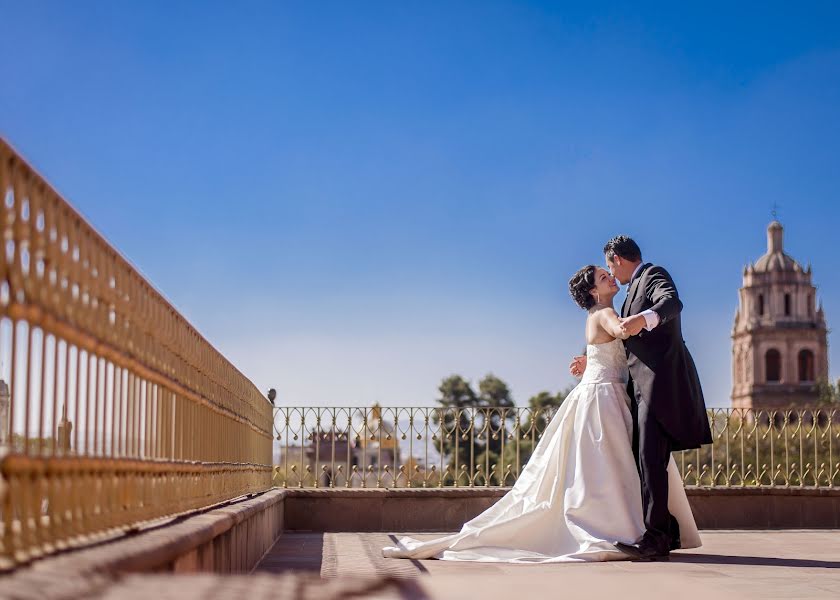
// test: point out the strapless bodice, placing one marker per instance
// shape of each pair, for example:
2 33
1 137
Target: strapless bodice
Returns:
606 363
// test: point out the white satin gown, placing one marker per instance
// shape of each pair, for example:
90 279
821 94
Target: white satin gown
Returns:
578 494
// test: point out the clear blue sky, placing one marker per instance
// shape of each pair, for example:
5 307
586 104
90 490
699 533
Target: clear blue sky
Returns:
354 200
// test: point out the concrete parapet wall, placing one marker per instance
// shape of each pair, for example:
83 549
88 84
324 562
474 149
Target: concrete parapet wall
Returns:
765 508
407 509
226 539
446 509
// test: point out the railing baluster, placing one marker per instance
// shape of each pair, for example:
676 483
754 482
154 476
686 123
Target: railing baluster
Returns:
377 453
112 393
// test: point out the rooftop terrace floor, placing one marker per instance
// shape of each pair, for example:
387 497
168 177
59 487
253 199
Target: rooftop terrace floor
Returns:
731 564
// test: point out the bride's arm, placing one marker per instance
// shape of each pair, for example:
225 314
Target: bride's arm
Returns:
611 324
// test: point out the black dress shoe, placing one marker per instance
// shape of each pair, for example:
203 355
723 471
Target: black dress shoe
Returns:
643 552
675 544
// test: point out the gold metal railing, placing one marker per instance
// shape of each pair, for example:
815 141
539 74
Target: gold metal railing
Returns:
431 447
114 410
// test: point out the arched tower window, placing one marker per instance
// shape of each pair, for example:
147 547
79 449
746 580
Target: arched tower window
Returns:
806 365
787 305
761 305
773 366
810 306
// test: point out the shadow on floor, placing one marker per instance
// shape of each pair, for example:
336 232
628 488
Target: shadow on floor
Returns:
755 561
302 552
417 564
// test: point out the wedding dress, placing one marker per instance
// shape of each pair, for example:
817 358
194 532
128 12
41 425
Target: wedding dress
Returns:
578 494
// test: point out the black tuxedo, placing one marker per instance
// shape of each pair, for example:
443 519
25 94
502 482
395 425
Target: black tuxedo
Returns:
662 370
668 408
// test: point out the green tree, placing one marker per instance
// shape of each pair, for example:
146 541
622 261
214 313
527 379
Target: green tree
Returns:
473 427
529 429
544 404
498 405
829 393
494 392
453 418
493 422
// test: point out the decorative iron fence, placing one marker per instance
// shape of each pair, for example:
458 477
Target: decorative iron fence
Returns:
114 410
431 447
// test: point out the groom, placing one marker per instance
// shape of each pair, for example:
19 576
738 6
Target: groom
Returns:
667 402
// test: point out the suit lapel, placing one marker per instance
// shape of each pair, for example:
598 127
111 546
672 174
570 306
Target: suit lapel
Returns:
634 289
626 298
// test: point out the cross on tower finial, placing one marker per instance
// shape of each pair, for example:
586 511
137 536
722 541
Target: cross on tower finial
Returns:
775 211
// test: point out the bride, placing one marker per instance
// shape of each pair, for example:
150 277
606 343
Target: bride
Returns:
579 493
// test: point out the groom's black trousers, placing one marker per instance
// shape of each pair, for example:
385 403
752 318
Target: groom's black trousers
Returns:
652 449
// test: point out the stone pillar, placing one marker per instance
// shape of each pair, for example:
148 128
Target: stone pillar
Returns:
65 428
5 407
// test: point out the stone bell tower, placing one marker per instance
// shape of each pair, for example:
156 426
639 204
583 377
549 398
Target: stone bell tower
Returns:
779 343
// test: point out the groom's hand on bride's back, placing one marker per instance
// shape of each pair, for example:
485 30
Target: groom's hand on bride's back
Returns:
577 366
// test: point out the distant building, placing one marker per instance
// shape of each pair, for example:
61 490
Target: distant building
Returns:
328 450
779 343
357 457
377 447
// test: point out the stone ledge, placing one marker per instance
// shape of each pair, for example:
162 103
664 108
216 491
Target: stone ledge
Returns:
763 491
226 539
159 547
444 492
446 509
497 492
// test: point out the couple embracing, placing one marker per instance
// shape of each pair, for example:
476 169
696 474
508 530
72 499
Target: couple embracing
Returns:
601 483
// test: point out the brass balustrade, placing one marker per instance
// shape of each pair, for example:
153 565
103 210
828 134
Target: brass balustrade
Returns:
114 410
431 447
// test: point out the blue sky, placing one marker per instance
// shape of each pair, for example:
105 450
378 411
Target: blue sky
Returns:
354 201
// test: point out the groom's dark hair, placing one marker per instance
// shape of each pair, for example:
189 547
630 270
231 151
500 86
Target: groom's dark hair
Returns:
623 246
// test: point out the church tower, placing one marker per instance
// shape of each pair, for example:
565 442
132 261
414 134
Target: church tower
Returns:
779 344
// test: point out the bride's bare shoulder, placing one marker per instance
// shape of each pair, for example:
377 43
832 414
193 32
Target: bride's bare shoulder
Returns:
596 325
601 312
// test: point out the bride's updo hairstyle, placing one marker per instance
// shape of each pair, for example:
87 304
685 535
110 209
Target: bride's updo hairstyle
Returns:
581 284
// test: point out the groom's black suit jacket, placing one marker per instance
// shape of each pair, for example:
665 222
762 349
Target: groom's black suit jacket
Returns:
662 371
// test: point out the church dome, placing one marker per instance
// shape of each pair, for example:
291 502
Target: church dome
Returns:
775 259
